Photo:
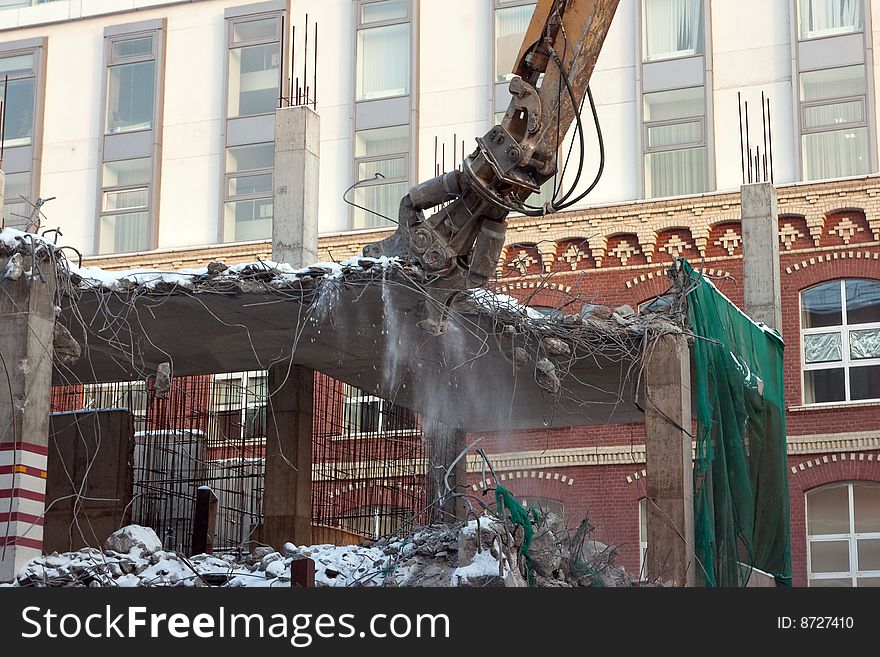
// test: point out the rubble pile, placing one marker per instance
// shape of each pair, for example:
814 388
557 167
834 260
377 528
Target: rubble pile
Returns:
480 553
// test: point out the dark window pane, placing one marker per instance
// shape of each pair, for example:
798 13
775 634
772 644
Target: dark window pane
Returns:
820 306
822 386
862 301
20 111
130 97
864 382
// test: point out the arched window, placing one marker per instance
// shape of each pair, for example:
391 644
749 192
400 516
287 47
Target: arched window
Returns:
843 535
840 341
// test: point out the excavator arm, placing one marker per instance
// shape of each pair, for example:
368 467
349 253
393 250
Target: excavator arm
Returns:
460 242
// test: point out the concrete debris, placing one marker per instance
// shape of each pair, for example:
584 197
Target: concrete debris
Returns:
133 536
217 267
545 375
474 554
432 326
625 311
520 356
14 268
555 347
592 311
67 350
162 384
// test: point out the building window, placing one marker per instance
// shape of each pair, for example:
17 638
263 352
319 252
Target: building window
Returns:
15 4
125 206
672 29
254 65
840 341
843 535
511 22
248 192
21 66
131 77
834 122
675 142
131 127
132 395
238 402
383 61
824 18
366 414
382 168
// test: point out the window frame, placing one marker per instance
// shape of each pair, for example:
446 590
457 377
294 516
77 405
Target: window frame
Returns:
700 119
37 48
643 39
351 403
845 363
852 538
360 26
231 44
247 402
368 113
255 196
109 64
863 14
274 9
156 29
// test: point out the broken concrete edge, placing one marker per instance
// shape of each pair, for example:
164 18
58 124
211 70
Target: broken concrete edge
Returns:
265 276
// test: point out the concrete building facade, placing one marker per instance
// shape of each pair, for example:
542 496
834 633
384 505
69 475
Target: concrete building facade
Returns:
151 123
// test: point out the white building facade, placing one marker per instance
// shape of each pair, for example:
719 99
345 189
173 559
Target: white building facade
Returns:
150 122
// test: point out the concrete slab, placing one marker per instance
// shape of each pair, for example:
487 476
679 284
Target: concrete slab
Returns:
361 324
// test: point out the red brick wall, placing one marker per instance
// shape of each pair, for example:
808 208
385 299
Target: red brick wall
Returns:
819 470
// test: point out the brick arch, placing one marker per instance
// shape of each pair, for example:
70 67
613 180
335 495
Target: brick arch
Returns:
521 259
831 469
625 250
725 239
677 242
542 483
573 254
794 232
845 227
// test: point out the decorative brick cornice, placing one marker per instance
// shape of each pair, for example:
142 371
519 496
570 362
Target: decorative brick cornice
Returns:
825 214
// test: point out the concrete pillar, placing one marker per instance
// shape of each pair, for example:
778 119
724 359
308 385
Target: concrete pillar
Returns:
287 498
27 325
760 234
295 212
670 481
91 454
444 446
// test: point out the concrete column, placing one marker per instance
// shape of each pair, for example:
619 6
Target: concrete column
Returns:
27 325
287 498
760 234
444 446
91 453
670 481
295 213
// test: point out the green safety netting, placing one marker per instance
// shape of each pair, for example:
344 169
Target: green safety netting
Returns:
741 506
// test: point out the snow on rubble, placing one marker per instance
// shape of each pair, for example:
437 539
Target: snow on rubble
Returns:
432 556
150 279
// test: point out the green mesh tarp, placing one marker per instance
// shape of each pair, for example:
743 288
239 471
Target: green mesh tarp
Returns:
741 509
